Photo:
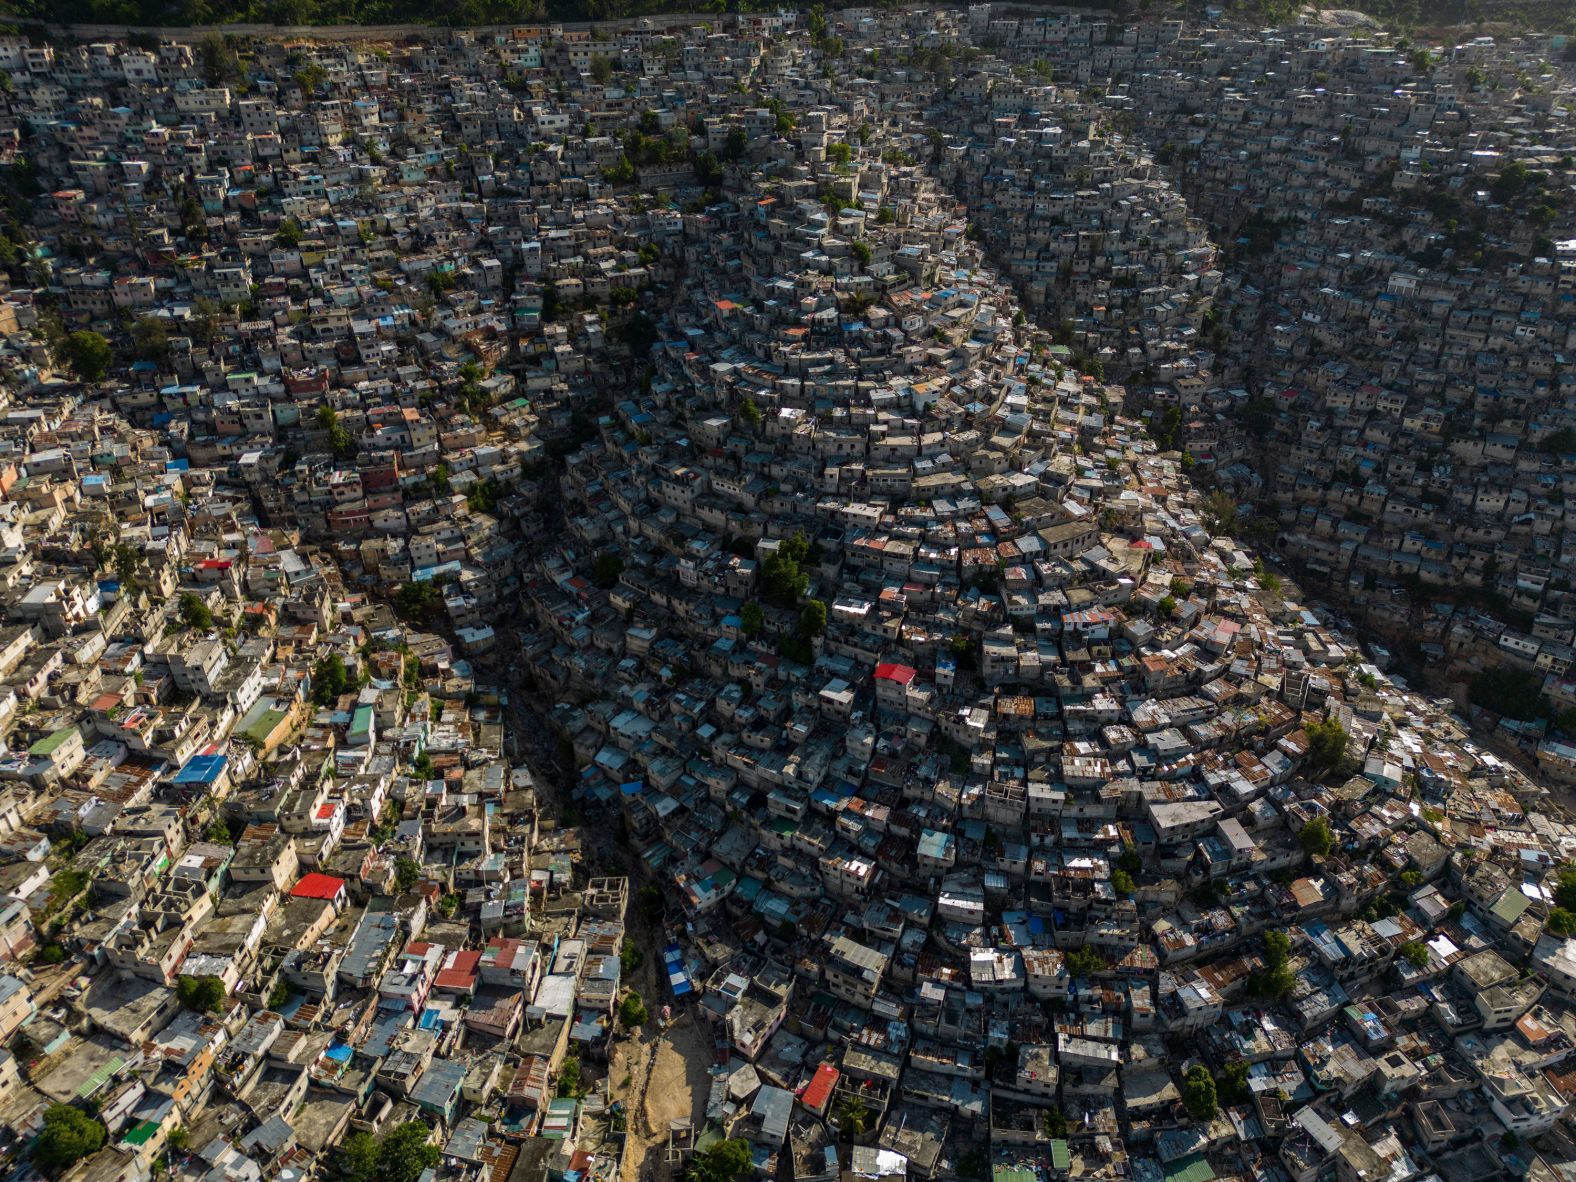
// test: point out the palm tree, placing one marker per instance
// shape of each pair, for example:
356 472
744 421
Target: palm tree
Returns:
852 1116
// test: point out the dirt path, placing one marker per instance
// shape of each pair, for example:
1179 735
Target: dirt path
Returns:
670 1081
679 1083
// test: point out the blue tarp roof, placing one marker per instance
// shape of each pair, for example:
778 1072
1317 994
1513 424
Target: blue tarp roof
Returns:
202 769
678 978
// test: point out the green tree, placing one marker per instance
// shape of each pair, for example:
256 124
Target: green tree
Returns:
1220 512
406 872
357 1159
725 1161
1198 1092
751 618
750 413
1327 742
1084 961
1416 952
329 679
405 1152
1562 922
203 994
812 620
150 338
69 1135
708 170
736 144
1122 883
203 326
1231 1085
630 957
194 612
340 441
483 497
601 69
438 480
1316 839
862 252
1565 887
569 1079
1163 430
1055 1123
632 1011
289 233
1271 983
1513 181
87 354
217 55
126 559
782 582
1276 979
418 602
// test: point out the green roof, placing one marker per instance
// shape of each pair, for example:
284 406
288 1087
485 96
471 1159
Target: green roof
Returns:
1061 1159
142 1134
263 726
100 1077
47 746
1510 906
1192 1168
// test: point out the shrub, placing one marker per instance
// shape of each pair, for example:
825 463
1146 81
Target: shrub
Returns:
632 1012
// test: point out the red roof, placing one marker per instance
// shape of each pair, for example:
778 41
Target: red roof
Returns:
819 1089
318 886
459 971
899 673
